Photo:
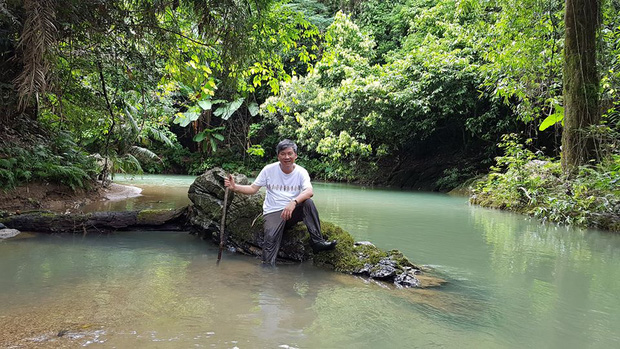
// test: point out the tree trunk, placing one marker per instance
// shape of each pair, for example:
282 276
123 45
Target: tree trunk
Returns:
47 222
581 81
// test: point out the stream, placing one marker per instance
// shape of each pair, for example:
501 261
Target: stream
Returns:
513 282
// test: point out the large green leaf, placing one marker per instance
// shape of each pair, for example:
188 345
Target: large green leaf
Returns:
205 104
553 119
130 112
228 109
199 137
160 136
184 119
253 108
143 152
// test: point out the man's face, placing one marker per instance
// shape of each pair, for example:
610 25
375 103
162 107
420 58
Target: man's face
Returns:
287 156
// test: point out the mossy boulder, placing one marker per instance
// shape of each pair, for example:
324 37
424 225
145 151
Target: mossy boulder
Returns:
244 229
243 212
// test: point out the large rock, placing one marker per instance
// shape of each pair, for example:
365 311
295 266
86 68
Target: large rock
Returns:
244 228
243 212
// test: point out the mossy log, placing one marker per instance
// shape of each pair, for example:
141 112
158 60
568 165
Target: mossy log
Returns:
48 222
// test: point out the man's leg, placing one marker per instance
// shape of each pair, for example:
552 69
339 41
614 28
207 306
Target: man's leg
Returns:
274 229
311 219
307 212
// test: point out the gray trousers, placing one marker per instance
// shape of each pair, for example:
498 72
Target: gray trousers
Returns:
274 228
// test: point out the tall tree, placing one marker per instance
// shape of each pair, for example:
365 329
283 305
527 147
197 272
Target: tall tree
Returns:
581 81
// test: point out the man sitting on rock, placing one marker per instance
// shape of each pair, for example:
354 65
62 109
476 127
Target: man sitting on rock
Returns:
287 201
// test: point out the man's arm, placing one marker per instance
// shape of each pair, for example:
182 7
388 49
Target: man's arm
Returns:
238 188
304 195
290 207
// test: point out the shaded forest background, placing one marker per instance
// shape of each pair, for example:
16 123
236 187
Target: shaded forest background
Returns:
409 93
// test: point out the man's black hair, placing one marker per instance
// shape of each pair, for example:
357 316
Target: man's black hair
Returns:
286 143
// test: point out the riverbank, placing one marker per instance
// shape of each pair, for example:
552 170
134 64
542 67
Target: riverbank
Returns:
59 198
532 184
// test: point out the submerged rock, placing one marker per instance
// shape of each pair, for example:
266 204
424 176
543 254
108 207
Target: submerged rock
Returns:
244 228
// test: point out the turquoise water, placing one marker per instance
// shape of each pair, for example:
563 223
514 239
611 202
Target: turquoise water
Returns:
512 283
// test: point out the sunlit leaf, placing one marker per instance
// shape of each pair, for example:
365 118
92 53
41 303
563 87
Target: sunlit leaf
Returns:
553 119
228 109
205 104
184 119
253 108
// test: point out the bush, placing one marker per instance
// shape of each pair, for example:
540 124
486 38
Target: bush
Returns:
528 182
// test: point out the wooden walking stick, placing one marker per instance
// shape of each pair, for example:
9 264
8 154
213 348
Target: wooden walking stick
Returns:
223 226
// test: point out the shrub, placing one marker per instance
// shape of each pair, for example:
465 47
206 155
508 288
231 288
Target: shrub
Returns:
528 182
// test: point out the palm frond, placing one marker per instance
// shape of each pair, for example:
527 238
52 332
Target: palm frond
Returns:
132 163
143 153
160 135
129 111
37 39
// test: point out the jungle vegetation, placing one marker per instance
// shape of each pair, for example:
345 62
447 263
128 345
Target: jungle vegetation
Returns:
423 94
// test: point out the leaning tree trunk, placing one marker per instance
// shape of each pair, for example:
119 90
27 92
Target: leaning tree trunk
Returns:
581 81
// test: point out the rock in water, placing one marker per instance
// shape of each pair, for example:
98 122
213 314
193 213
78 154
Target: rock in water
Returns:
244 226
8 233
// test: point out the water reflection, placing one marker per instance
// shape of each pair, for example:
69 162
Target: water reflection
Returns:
158 192
560 278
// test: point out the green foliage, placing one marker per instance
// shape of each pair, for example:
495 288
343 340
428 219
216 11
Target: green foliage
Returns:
209 138
557 116
455 177
394 81
356 114
609 53
528 182
256 150
310 111
522 48
57 162
314 11
386 23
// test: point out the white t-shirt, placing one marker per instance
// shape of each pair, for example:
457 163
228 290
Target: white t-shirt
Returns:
282 188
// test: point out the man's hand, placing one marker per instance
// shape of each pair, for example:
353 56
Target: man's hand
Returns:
287 213
230 182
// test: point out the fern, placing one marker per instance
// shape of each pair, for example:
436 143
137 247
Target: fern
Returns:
7 179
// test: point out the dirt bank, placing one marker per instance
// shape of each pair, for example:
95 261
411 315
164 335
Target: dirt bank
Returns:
57 198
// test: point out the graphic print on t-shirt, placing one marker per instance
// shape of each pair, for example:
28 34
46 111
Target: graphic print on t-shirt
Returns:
291 188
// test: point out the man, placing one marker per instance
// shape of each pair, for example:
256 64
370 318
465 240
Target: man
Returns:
287 201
